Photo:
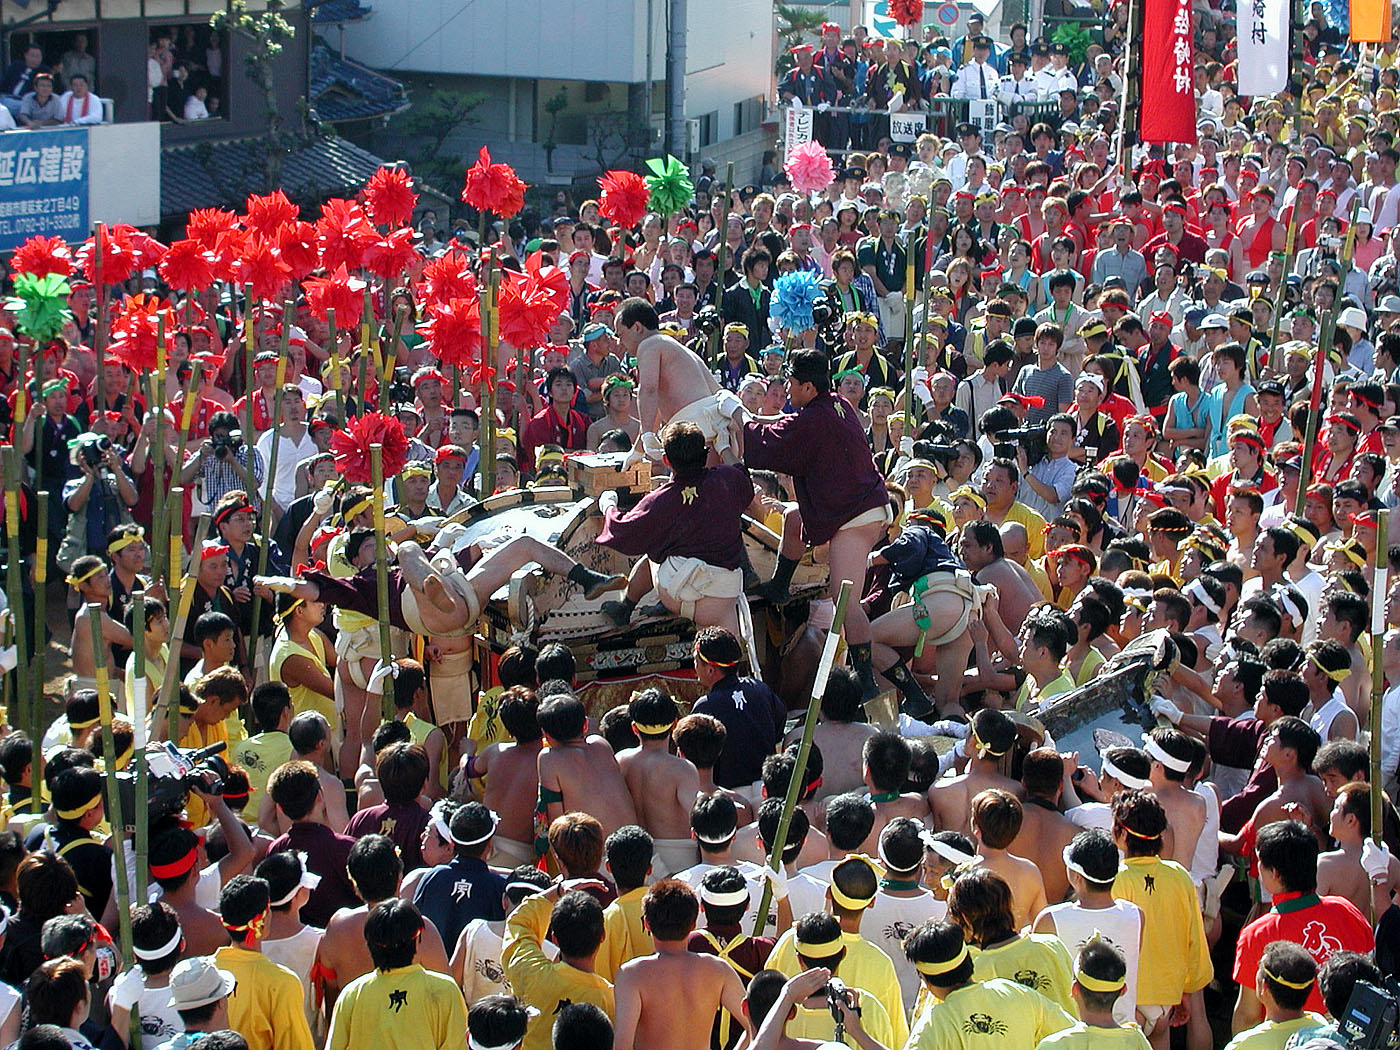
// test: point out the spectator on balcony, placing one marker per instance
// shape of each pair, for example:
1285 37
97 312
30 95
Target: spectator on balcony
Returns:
77 61
155 82
40 107
19 78
78 105
195 109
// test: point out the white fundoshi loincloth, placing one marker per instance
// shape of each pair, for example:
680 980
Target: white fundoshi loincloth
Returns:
711 414
688 580
672 855
456 581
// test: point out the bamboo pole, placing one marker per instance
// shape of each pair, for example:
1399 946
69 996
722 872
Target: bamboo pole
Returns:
388 359
911 337
721 255
99 332
41 600
138 705
159 520
381 571
182 605
1378 589
335 364
27 704
181 439
265 512
1275 356
804 749
490 330
109 757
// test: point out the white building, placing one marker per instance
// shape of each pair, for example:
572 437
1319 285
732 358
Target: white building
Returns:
573 75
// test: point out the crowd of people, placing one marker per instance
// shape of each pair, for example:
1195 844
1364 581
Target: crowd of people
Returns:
1055 402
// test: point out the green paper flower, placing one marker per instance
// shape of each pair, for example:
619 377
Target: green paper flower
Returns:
40 305
670 185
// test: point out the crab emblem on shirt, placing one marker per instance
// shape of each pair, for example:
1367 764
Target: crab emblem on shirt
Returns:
983 1024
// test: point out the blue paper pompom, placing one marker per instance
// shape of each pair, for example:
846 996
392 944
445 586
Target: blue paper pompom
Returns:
794 295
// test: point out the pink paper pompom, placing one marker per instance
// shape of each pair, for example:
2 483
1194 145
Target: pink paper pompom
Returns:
809 168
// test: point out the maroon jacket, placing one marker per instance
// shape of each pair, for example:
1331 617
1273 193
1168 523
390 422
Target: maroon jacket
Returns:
695 516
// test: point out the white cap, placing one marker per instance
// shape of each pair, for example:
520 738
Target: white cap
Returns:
1353 317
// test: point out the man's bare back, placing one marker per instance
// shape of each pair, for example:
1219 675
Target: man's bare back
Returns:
1186 816
586 774
748 846
663 788
841 745
950 799
668 1001
1043 836
1027 887
670 377
512 786
345 954
909 804
202 929
1016 590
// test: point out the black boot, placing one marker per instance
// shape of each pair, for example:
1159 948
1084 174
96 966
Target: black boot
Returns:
916 703
865 670
619 612
776 590
595 583
751 579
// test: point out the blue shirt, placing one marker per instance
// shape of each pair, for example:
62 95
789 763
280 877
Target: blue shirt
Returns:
753 718
453 894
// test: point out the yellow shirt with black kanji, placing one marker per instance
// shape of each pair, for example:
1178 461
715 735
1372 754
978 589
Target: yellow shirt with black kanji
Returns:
988 1015
865 966
406 1008
1037 960
540 982
1091 1037
485 727
1173 935
624 936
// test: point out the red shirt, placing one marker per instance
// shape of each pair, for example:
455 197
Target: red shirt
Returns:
1322 925
262 412
545 428
1221 486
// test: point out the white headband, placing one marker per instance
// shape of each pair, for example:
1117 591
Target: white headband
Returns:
495 820
1126 779
439 822
530 887
946 850
309 880
721 899
159 953
1078 870
1196 589
716 842
889 864
1284 598
1155 750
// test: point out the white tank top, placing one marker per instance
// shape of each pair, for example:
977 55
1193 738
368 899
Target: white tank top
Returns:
1120 926
1322 718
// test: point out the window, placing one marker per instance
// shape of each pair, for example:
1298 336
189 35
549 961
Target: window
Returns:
748 114
709 129
187 72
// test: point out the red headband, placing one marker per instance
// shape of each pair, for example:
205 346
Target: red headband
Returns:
177 868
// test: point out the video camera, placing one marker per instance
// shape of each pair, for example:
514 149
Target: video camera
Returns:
224 444
173 771
828 318
943 449
401 386
93 447
1030 438
707 321
1369 1020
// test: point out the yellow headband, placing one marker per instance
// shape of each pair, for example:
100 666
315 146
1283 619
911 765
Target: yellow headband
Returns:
73 581
83 725
1094 984
1354 556
1339 676
125 756
855 903
808 950
652 730
1295 985
283 617
357 508
933 969
125 540
416 469
86 807
968 492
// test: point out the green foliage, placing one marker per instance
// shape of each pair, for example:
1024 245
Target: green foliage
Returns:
40 305
794 23
1076 40
429 123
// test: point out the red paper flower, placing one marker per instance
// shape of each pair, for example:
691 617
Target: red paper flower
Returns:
446 278
135 329
907 12
528 308
551 279
229 246
390 256
351 447
493 187
454 330
121 256
341 292
389 197
269 213
188 266
205 225
300 248
262 267
39 256
149 251
345 234
624 197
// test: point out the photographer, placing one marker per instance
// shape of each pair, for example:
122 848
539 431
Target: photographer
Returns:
1045 487
92 514
221 461
773 1003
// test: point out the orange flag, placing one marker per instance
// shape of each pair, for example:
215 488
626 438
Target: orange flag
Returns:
1370 21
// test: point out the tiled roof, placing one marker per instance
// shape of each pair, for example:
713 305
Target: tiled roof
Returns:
222 174
344 90
329 12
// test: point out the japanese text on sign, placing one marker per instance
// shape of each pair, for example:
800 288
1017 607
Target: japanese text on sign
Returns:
43 185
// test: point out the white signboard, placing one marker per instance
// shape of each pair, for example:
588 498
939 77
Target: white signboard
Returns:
906 127
1263 44
984 112
797 126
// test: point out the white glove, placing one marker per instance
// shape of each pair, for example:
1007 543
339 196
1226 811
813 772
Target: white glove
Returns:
906 446
822 107
951 727
960 749
1166 709
778 880
652 446
376 679
322 501
608 500
1375 860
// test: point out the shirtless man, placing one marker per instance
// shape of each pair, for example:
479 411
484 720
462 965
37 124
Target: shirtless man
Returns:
840 738
674 383
991 735
1366 877
511 769
1289 747
996 819
700 740
577 771
984 553
93 582
668 1000
1045 831
885 765
663 786
1171 754
310 734
376 873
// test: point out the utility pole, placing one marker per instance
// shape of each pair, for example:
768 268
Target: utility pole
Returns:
675 79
